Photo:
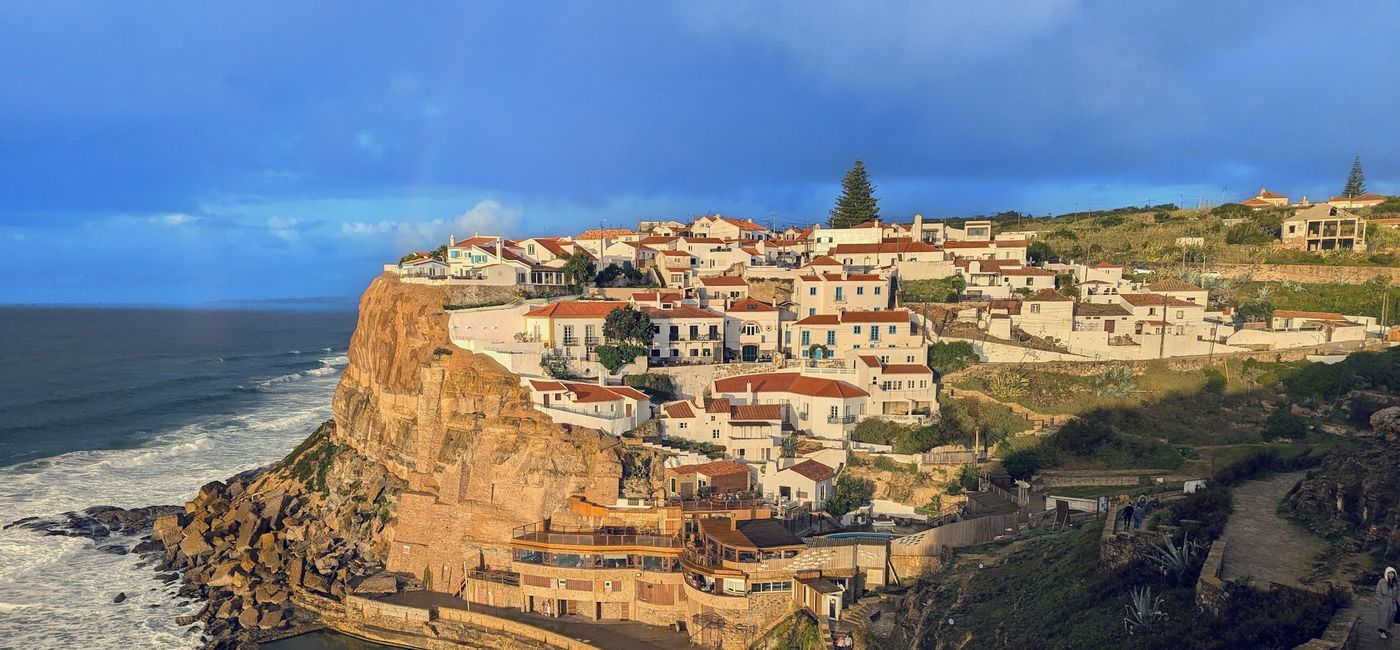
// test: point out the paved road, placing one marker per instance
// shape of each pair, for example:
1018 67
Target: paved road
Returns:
1263 545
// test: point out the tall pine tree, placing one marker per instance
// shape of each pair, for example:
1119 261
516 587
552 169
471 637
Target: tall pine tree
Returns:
857 203
1356 180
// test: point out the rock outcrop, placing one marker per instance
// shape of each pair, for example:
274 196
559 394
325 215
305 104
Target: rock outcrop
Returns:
435 456
1353 495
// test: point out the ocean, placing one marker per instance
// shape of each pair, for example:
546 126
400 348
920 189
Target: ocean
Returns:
135 407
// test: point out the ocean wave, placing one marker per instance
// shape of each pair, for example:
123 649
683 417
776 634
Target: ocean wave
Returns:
57 590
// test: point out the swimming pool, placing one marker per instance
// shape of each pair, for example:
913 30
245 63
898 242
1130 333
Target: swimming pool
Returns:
862 536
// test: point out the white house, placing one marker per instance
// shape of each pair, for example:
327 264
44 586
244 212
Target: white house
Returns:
612 409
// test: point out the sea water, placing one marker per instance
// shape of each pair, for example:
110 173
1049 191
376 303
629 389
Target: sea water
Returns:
136 407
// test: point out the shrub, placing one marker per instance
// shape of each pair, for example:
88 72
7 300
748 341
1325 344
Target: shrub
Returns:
850 493
1082 436
1215 382
1283 423
968 477
661 387
1008 385
1021 464
1116 382
877 431
614 357
951 356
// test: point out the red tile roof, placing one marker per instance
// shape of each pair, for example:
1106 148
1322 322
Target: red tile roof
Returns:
906 369
1316 315
750 305
812 470
1173 284
888 316
1154 300
824 260
859 249
717 405
820 319
1048 295
850 277
585 392
713 468
577 309
788 382
679 409
656 296
756 412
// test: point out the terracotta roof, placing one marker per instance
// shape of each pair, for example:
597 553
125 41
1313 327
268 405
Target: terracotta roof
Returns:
1264 193
656 296
680 311
858 249
824 260
820 319
422 260
1367 197
850 277
702 240
658 239
724 281
1032 271
750 305
812 470
577 309
1173 284
1011 306
742 224
586 392
713 468
1048 295
720 405
553 246
679 409
749 533
1255 203
788 382
1154 300
474 241
1106 265
756 412
1100 309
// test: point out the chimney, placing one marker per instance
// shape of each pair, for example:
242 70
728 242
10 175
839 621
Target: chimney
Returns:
498 248
451 240
916 233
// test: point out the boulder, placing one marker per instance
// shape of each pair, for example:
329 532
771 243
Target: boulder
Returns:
193 546
379 583
1386 423
248 618
121 597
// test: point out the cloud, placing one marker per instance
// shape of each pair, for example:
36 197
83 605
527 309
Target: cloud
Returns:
488 216
175 219
287 229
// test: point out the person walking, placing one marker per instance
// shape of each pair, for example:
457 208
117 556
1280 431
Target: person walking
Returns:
1386 592
1139 512
1127 516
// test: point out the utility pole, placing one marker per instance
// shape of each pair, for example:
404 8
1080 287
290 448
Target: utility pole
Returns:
1162 347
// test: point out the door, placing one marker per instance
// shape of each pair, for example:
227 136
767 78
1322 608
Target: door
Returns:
750 353
546 400
1108 325
830 607
629 407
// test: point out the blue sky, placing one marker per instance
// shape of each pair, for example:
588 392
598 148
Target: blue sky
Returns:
184 152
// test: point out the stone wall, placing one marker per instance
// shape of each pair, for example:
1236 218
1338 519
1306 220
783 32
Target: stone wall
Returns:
1122 547
1210 589
1303 273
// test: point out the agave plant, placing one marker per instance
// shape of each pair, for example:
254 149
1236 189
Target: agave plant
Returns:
1007 385
1174 560
1117 382
1144 611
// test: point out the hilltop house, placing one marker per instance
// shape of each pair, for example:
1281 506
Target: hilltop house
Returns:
719 291
833 293
751 432
827 408
1323 228
727 228
704 479
827 336
686 334
1265 199
611 409
751 331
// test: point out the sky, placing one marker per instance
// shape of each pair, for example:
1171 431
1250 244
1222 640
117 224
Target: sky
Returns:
164 152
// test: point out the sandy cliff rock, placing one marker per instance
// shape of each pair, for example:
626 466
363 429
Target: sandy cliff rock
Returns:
433 458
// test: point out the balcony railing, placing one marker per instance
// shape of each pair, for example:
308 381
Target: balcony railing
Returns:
539 532
841 419
604 415
499 577
571 340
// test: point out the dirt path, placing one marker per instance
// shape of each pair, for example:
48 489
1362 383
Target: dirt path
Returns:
1263 545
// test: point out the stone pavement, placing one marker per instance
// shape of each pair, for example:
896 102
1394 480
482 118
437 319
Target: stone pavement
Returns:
1261 544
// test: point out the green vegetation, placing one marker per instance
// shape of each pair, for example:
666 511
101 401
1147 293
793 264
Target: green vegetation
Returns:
616 276
857 203
1363 299
628 325
1055 587
713 451
312 464
940 290
577 269
614 357
851 493
1356 180
951 356
661 388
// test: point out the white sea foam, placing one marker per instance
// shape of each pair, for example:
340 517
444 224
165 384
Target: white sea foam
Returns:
56 592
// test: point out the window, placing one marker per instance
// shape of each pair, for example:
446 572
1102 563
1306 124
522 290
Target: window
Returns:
840 295
835 412
1180 314
811 311
860 291
806 338
856 329
714 433
874 332
750 329
812 291
787 337
877 291
1035 309
831 337
681 426
894 329
454 254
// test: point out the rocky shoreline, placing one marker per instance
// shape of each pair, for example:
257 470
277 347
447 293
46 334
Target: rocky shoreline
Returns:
310 522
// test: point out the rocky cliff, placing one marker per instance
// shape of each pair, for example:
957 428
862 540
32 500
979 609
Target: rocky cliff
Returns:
433 458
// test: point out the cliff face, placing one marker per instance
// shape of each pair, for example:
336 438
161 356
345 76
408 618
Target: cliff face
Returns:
433 458
459 430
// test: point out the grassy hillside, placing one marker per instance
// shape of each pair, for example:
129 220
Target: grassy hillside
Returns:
1233 234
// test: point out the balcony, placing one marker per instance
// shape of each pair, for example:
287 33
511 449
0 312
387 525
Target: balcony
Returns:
605 537
591 341
570 340
841 419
